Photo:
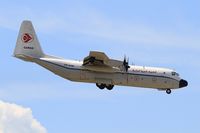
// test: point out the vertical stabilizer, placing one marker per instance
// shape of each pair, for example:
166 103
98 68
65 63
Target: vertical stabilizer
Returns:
27 46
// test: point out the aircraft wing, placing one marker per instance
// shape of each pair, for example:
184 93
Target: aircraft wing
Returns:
96 58
99 61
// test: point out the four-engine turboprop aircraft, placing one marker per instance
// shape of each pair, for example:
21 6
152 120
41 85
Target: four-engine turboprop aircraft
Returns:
96 68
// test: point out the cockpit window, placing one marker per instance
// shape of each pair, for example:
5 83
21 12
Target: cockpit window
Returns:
175 74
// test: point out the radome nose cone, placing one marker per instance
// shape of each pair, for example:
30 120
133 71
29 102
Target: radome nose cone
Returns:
183 83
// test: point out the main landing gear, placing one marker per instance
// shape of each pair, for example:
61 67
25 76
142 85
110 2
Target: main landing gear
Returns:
168 91
102 86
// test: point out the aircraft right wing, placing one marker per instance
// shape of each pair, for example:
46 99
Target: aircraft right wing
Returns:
96 58
99 61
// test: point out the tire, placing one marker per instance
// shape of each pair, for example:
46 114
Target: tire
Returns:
110 87
100 86
168 91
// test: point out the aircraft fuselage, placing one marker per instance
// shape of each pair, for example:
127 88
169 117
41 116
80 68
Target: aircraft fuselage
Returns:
138 76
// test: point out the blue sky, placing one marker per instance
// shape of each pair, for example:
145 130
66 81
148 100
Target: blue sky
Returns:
151 33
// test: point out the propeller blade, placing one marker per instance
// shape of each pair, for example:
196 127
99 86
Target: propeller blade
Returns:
126 63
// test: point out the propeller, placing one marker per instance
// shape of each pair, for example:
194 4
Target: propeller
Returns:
126 63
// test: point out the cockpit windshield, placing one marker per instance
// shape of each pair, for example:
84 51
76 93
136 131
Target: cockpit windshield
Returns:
175 74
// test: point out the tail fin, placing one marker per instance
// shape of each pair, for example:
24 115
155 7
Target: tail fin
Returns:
28 46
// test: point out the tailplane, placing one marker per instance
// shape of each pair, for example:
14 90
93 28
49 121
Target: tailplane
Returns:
28 46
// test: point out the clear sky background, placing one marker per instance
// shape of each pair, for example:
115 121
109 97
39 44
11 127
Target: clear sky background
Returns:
163 33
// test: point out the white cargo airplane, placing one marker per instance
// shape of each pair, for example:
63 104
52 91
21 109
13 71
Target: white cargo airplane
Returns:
96 68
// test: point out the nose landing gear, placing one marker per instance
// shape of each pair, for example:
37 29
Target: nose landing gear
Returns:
168 91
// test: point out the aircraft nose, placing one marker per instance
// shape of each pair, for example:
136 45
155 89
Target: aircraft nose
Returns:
183 83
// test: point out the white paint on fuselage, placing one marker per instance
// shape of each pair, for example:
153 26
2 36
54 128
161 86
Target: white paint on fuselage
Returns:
138 76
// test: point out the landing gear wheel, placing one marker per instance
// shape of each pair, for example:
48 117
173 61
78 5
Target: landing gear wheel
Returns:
168 91
110 87
101 86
